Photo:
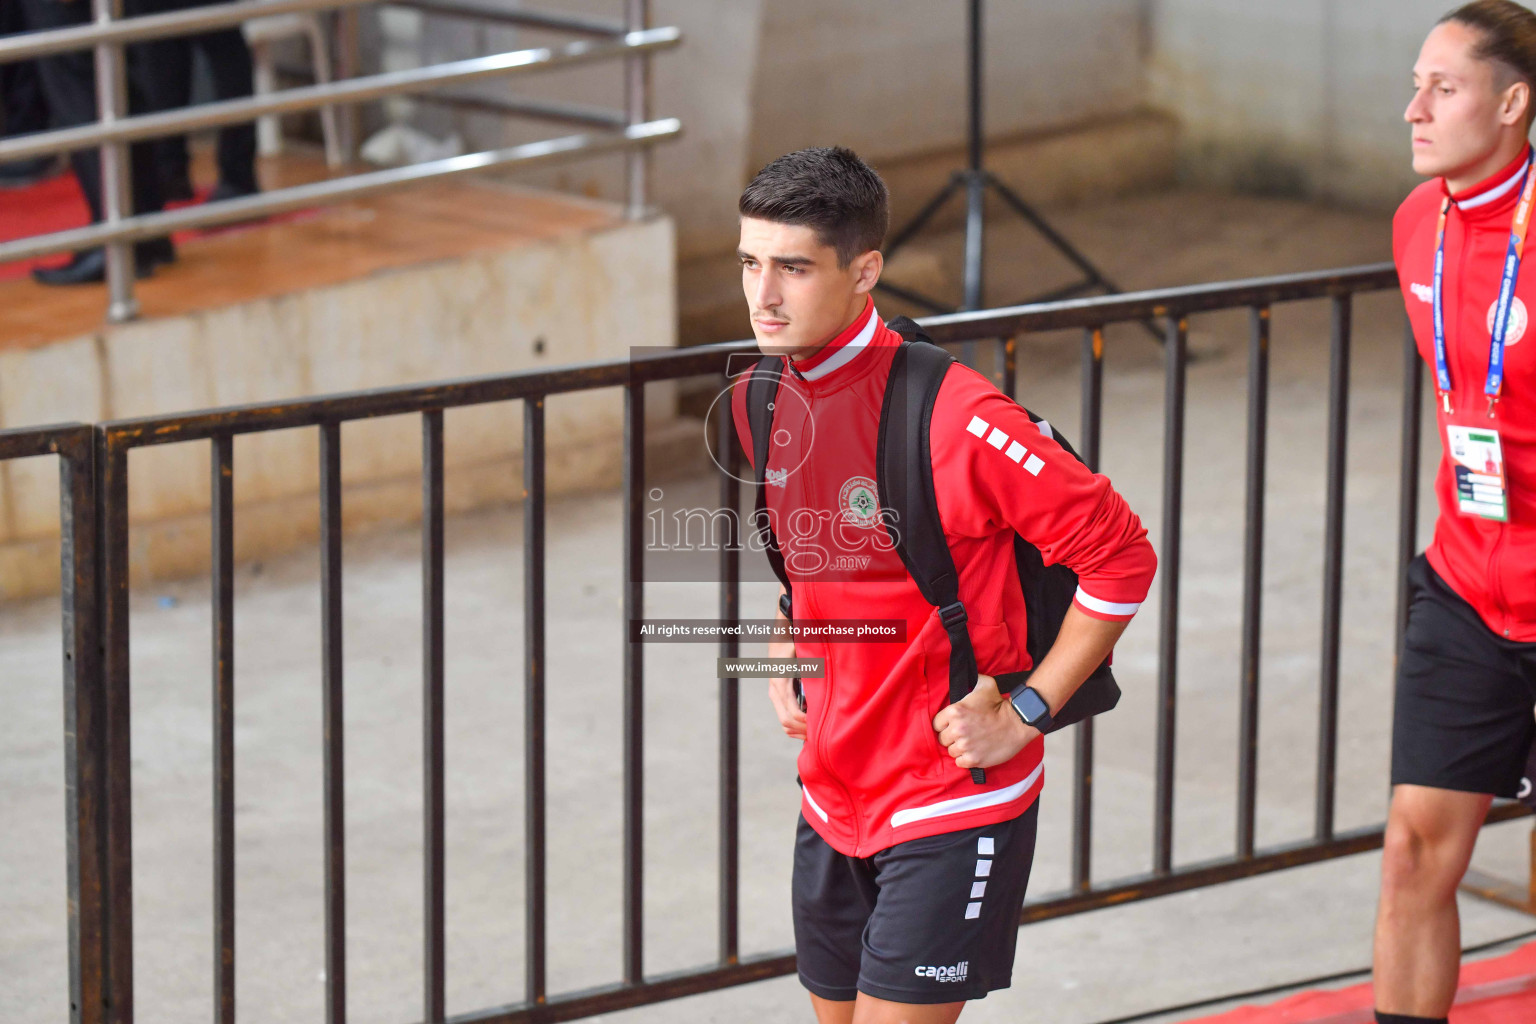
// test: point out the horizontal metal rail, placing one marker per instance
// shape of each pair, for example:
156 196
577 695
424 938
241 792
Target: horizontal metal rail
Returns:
707 359
574 24
50 439
27 45
544 110
153 225
1161 302
350 91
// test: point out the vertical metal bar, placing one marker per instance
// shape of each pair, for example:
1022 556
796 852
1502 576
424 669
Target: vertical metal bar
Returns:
1010 365
331 643
974 22
730 738
1408 486
433 809
1253 578
637 103
1082 754
1093 395
222 507
533 692
84 718
1333 565
975 178
116 187
1168 641
634 682
117 786
345 42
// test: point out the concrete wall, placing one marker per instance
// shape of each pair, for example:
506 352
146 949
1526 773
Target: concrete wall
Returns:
753 80
586 296
1301 98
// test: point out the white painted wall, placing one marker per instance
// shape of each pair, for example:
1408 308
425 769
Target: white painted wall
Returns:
754 80
1303 97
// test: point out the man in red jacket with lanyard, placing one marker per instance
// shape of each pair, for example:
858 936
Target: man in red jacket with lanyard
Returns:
908 874
1466 683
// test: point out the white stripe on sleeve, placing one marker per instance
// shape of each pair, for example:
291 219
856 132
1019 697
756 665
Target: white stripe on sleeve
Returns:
1093 604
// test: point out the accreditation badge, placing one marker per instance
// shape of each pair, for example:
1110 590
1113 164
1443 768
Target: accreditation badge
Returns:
1478 459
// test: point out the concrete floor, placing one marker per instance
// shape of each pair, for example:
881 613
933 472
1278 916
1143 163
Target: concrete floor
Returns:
1093 967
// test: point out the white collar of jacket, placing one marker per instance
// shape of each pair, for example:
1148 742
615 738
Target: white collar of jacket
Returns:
842 350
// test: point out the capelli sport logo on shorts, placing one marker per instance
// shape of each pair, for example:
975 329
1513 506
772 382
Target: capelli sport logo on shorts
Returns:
944 974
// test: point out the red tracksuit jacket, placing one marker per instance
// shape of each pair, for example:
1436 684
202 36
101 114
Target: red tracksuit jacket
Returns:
1490 564
872 770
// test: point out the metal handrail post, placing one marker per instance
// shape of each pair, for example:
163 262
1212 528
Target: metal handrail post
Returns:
346 29
637 102
111 106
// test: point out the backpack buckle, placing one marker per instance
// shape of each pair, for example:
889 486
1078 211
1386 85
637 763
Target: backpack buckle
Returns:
785 605
952 615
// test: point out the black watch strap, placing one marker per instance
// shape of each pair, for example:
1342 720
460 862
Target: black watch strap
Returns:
1031 707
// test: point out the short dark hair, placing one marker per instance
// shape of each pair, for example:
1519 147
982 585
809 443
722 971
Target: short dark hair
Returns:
828 189
1508 40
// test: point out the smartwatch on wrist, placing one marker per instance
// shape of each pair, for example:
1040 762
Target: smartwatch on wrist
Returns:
1032 708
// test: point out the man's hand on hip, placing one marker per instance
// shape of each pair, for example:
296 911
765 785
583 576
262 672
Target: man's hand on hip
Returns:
782 693
982 730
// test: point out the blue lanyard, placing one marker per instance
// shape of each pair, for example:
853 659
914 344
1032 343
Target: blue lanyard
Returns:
1495 381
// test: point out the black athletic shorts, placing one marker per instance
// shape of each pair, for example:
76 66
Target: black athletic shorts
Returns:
1463 718
931 920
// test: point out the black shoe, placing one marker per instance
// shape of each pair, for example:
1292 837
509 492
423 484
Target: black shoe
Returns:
151 254
224 190
21 173
90 266
176 188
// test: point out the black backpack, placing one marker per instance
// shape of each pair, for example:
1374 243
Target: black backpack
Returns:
904 481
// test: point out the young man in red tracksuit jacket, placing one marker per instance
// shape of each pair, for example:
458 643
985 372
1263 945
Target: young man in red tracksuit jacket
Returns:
908 875
1467 676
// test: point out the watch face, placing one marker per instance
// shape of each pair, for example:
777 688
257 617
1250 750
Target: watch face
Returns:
1031 706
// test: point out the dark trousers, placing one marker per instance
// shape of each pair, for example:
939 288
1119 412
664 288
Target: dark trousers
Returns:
168 79
23 108
69 83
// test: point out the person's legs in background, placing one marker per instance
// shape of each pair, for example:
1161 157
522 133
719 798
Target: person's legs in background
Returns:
169 86
69 82
229 60
23 107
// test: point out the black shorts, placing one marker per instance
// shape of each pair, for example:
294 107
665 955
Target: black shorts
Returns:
1463 718
931 920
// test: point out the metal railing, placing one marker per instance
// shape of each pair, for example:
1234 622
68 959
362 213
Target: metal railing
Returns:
95 514
630 130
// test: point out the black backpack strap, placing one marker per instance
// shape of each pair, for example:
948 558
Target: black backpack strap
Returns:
762 389
1048 589
904 480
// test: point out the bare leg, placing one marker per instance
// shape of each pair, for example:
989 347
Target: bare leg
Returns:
869 1010
832 1011
1430 835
